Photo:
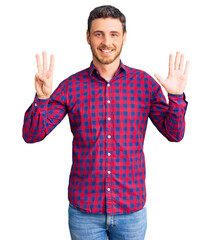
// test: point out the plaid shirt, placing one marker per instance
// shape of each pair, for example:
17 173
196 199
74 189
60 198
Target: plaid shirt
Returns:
108 121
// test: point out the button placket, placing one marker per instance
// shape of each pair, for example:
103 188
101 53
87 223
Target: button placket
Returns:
108 144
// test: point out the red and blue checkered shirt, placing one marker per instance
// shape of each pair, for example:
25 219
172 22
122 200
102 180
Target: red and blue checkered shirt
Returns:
108 121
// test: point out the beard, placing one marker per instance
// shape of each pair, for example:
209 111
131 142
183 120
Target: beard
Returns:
106 59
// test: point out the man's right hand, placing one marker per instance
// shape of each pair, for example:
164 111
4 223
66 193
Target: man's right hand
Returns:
44 77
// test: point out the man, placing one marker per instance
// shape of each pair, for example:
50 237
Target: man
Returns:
108 105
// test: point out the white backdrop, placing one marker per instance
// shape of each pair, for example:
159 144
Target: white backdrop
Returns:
34 177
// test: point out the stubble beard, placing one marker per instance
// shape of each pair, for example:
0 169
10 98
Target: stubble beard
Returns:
105 60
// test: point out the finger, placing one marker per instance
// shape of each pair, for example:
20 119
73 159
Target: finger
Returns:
159 78
36 75
186 68
44 54
40 77
176 66
52 63
39 67
171 56
181 62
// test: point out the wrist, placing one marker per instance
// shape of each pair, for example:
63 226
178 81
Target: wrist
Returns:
175 93
43 97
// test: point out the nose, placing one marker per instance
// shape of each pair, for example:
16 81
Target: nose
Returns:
106 40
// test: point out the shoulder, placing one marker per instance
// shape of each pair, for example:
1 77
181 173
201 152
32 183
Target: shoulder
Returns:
79 74
139 73
76 77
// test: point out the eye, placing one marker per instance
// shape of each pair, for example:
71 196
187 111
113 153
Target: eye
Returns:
98 34
114 35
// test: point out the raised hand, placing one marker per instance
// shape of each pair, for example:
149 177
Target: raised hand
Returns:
44 77
176 81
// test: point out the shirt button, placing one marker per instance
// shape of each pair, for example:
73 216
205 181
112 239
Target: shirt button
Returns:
108 85
109 136
109 118
108 101
35 104
109 172
109 154
108 189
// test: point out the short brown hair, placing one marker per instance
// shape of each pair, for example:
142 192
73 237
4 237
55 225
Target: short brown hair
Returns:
106 11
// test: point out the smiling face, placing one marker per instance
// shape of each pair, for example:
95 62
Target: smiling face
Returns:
106 39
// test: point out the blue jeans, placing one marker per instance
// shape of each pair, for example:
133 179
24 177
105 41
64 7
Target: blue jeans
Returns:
89 226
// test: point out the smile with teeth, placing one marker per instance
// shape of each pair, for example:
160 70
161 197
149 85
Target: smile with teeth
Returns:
106 51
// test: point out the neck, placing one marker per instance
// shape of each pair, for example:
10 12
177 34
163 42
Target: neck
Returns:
107 71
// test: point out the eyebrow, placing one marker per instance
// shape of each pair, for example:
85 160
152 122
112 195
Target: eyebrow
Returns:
98 31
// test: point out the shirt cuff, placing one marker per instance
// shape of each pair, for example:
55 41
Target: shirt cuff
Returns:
179 99
176 95
40 104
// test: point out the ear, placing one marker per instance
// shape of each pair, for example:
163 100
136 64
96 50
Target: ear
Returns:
88 37
124 37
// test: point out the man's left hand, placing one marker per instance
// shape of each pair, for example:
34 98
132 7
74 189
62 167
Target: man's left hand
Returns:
177 79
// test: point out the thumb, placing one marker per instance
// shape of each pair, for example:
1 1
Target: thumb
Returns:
159 78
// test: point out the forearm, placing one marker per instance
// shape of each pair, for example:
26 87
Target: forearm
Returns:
44 115
35 121
171 120
175 120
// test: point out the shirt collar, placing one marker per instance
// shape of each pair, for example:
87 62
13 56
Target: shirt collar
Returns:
93 69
